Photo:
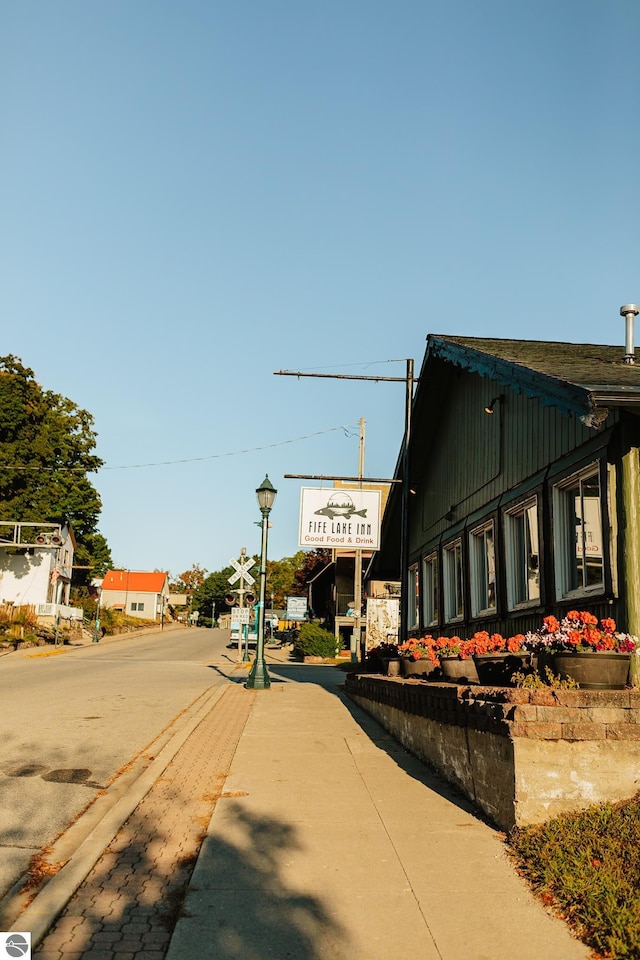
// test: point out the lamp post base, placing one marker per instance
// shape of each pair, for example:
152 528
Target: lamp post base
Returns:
258 678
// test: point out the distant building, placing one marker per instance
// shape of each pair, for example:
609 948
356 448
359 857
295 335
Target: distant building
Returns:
36 564
136 593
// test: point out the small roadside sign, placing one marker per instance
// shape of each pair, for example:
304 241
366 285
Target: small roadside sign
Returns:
296 608
241 615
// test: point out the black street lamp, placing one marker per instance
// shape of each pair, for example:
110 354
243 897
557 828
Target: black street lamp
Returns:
258 678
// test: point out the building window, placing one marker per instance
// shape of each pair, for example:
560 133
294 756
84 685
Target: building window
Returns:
414 598
577 534
452 581
482 569
430 595
522 553
137 606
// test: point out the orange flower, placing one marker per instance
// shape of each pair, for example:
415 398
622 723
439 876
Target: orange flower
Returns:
514 644
592 635
608 625
588 618
551 624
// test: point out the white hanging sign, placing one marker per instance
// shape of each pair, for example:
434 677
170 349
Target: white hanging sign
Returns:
340 518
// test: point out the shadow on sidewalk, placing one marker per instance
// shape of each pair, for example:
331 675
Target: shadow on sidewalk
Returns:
331 679
243 906
133 900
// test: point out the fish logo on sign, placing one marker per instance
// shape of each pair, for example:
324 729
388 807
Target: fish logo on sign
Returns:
340 505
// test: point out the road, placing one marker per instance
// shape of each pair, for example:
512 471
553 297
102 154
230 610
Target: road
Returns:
72 722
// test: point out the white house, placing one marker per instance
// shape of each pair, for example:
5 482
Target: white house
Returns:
36 564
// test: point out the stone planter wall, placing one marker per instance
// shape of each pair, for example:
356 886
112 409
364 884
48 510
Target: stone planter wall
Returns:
522 756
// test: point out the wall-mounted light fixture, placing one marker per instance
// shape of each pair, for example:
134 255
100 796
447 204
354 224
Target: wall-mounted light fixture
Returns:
490 408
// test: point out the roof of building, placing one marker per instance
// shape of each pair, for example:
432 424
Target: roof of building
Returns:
576 377
135 580
579 379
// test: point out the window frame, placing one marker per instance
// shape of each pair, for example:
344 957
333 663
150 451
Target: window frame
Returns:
430 590
562 535
452 565
413 597
516 568
480 560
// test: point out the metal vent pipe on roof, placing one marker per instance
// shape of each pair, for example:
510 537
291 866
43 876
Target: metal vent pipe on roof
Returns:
630 311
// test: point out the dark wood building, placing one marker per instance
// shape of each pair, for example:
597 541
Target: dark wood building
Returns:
525 487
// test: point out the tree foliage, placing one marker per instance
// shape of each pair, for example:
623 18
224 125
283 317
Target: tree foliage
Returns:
288 577
190 580
313 561
213 589
46 450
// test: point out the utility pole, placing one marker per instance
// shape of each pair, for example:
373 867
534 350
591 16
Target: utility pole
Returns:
404 528
357 577
409 380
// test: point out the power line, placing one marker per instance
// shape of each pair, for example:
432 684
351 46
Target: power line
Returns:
164 463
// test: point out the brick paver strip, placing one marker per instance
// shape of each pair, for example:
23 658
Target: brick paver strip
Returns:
129 903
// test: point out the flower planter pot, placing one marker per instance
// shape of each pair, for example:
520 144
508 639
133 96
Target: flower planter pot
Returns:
595 670
459 670
416 668
497 669
392 667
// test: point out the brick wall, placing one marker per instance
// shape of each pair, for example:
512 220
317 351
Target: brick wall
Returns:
521 755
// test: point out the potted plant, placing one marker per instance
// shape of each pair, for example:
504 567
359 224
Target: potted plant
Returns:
417 657
593 652
497 658
385 658
456 659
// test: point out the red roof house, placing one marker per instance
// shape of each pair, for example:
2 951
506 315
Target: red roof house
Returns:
137 593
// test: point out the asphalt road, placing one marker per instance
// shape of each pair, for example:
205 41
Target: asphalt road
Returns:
71 722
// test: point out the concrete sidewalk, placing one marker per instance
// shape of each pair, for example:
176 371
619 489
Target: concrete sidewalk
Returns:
331 842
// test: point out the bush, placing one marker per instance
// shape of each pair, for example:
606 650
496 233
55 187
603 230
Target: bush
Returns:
587 865
25 616
314 641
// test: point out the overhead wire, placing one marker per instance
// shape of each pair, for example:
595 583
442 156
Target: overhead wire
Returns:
164 463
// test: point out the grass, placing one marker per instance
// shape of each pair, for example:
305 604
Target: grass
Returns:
586 867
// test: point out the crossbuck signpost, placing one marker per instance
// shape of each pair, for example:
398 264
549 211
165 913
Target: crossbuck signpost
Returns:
241 573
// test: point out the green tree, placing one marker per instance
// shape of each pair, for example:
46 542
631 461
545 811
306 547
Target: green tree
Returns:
281 579
213 589
46 450
288 577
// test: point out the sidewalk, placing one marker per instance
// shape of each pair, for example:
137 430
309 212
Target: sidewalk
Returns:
327 841
331 842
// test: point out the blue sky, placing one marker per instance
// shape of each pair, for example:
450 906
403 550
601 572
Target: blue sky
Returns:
197 194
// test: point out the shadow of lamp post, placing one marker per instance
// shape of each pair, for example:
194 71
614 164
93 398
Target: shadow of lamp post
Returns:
258 678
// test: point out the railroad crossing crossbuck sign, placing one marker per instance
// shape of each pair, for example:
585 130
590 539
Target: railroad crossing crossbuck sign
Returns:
241 570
